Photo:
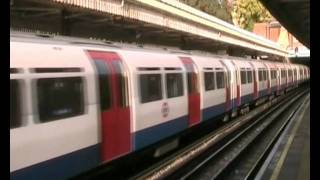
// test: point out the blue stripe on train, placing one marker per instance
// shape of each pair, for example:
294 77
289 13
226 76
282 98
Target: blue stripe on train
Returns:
213 111
263 93
158 132
62 167
246 98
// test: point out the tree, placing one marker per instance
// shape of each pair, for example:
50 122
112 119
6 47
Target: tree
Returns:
217 8
248 12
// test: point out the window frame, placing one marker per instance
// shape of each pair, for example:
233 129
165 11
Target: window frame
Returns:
160 74
243 71
224 80
214 80
83 98
249 71
20 100
181 83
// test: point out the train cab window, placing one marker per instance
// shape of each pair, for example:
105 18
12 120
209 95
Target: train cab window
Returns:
174 85
209 81
60 98
243 75
150 87
265 75
15 102
249 75
220 80
104 84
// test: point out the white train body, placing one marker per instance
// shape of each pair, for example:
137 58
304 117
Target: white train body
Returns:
75 106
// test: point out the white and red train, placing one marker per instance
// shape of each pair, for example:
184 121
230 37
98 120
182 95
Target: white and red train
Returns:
76 105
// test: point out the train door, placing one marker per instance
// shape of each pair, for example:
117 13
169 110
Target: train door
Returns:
237 83
278 81
193 91
255 82
230 104
268 81
114 101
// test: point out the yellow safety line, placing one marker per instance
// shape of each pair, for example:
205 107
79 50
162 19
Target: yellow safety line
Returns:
276 172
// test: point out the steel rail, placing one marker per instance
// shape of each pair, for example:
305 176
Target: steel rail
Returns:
179 159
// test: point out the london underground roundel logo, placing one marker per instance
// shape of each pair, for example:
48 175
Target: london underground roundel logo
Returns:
165 109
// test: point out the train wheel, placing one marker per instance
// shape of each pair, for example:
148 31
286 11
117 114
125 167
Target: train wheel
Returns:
226 118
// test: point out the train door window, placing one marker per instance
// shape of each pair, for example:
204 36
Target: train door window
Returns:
261 75
150 87
273 74
122 83
174 85
60 98
192 79
209 81
249 75
220 80
265 75
283 73
243 75
290 73
104 84
15 104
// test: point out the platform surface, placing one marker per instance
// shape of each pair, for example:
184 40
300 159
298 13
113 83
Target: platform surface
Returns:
290 159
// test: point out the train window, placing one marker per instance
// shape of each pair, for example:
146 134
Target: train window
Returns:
249 75
150 87
15 102
174 85
243 75
104 84
57 70
209 81
220 80
122 83
60 98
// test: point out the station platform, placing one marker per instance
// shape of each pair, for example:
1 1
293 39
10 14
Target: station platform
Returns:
290 158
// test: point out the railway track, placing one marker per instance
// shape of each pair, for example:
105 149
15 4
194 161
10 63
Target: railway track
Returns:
219 152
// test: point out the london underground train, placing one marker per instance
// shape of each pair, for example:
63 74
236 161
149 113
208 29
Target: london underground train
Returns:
75 105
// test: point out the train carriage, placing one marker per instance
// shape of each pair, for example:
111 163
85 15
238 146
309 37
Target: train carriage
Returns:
76 104
53 113
212 86
246 87
261 79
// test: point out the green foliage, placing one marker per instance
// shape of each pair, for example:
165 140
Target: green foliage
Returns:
248 12
212 7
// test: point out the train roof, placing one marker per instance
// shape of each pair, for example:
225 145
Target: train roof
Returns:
75 41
